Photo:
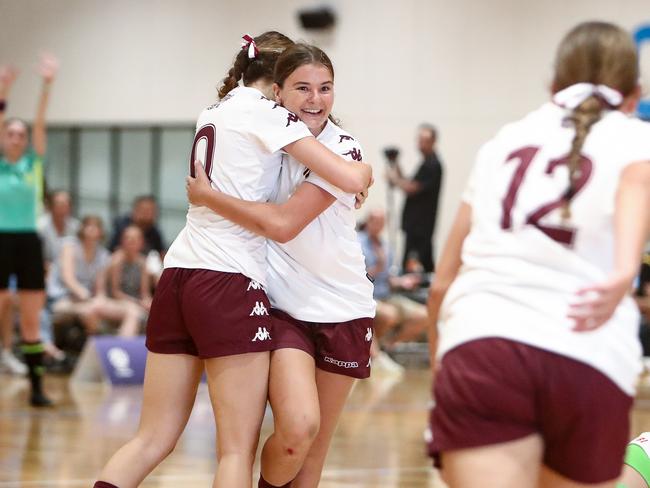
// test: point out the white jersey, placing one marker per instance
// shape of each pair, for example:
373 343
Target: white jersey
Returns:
522 265
239 141
320 275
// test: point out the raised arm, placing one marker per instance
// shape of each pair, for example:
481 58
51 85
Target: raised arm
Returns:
597 303
349 176
48 69
8 75
446 271
279 222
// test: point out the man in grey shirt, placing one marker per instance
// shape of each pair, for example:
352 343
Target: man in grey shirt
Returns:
56 224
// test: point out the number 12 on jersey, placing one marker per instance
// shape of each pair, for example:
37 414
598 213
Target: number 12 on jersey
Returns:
524 157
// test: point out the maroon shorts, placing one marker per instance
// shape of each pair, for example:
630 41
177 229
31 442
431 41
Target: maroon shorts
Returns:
342 348
208 314
494 390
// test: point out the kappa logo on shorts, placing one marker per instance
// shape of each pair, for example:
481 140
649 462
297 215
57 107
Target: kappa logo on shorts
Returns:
369 335
262 335
259 309
254 285
341 364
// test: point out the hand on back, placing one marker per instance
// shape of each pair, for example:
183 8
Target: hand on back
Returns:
596 304
198 188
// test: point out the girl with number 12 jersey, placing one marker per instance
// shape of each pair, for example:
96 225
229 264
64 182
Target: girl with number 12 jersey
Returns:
538 351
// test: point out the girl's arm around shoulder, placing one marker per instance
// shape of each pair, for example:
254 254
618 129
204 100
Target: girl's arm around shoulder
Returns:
279 222
349 176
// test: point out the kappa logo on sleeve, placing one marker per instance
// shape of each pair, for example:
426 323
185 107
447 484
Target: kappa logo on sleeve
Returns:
291 117
345 138
354 153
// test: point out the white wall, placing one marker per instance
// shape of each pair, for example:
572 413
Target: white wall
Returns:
467 66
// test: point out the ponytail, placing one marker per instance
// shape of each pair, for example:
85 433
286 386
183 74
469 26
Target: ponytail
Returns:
231 81
268 47
598 53
584 116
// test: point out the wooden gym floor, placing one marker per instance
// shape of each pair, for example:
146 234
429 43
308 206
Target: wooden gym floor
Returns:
379 442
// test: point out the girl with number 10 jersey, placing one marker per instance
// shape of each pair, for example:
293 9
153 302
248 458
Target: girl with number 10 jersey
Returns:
322 300
210 310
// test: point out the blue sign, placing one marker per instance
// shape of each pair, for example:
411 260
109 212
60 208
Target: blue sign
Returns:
122 360
642 36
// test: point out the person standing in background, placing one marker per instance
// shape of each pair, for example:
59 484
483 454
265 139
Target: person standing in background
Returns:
21 192
422 196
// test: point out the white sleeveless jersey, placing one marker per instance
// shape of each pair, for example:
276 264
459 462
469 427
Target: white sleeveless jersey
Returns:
522 265
239 141
320 275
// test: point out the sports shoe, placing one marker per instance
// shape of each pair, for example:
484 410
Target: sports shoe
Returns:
11 363
39 400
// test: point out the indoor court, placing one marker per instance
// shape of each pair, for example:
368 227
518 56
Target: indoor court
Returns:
110 234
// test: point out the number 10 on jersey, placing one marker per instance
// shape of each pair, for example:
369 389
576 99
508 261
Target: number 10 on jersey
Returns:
208 133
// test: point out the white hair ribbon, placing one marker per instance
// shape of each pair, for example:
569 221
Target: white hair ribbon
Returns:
574 95
250 46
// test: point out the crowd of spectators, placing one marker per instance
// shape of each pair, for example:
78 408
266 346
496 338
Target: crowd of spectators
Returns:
89 285
401 314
